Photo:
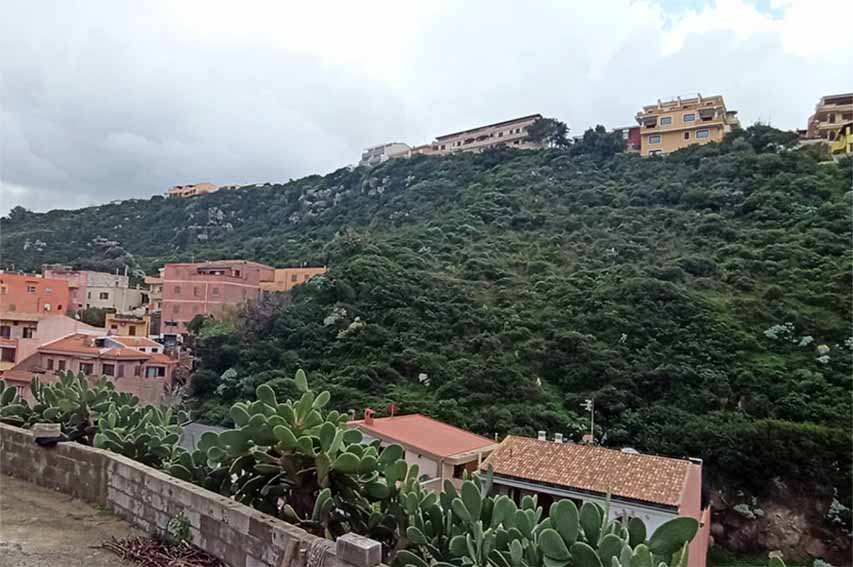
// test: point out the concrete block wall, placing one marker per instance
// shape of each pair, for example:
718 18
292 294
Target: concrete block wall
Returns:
148 498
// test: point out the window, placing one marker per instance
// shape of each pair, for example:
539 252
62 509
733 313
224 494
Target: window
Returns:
131 331
155 350
196 291
108 369
214 290
236 273
28 332
832 135
177 290
3 290
120 368
104 295
114 327
654 139
5 331
687 135
155 371
688 118
655 152
7 354
87 368
88 296
703 133
664 120
50 364
60 365
832 118
137 370
31 289
293 278
458 471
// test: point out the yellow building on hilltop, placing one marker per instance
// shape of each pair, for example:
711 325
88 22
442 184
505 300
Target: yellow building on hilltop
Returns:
671 125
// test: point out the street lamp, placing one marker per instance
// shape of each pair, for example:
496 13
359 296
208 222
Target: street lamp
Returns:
589 405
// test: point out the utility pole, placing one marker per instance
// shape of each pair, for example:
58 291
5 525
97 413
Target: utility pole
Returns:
589 405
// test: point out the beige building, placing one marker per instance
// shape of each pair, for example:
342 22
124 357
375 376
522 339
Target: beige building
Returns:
512 133
184 191
125 325
381 154
831 113
284 279
675 124
100 290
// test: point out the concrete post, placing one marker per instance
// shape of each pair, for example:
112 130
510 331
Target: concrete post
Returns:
358 550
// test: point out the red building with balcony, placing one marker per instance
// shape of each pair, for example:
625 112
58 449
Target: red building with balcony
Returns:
208 288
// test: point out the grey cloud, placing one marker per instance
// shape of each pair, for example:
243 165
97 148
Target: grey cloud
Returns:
107 100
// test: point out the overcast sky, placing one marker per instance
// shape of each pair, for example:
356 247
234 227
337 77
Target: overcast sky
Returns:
112 100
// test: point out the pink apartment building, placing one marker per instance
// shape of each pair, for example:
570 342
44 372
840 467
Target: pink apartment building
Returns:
136 365
209 288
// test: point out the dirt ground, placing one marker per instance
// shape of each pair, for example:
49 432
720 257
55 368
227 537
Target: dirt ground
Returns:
43 528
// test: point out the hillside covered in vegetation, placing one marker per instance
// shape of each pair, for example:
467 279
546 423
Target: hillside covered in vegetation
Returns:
702 299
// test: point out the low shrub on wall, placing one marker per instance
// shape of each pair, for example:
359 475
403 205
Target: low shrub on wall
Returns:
298 461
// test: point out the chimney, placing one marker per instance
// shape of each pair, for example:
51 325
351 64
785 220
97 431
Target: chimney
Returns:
558 438
543 436
368 416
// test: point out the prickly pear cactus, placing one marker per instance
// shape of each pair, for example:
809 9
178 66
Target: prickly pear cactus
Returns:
13 410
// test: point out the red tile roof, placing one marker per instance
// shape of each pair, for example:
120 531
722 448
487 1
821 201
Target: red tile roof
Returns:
160 358
135 341
73 344
645 478
425 434
124 353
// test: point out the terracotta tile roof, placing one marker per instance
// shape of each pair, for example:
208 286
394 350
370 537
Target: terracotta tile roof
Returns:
160 358
77 343
136 341
425 434
645 478
124 353
18 375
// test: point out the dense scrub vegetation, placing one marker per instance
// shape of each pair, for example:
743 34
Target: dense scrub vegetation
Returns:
702 299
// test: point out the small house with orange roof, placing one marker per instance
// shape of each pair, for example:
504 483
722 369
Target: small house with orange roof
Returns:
441 451
136 365
653 488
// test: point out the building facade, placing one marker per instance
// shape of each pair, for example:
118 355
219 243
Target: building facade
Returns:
831 113
30 293
102 290
209 288
511 133
671 125
22 333
382 153
185 191
134 364
651 488
630 136
125 325
441 451
284 279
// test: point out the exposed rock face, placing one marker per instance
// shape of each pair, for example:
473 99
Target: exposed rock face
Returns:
786 520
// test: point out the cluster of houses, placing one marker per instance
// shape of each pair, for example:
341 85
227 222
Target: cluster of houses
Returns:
662 128
652 488
139 347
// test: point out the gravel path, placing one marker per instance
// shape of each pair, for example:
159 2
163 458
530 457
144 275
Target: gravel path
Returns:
43 528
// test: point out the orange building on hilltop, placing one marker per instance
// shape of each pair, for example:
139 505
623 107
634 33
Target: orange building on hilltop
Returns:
24 293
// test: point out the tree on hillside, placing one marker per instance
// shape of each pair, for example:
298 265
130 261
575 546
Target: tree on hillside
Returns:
549 131
598 142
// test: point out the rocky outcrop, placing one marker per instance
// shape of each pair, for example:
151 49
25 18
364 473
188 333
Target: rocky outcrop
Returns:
796 523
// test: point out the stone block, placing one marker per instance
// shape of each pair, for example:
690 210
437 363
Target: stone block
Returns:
358 550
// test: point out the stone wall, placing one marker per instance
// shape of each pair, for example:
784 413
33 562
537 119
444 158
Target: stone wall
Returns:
148 498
